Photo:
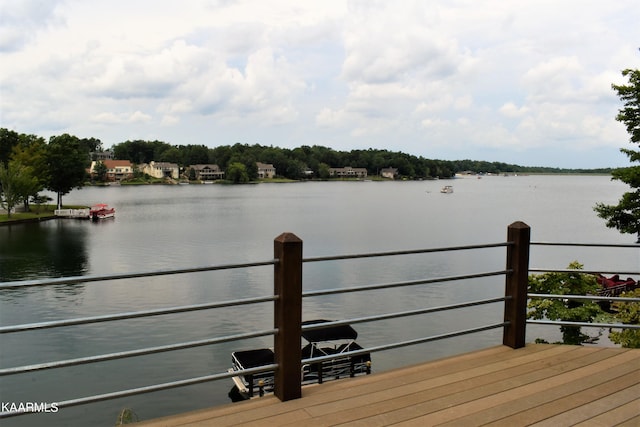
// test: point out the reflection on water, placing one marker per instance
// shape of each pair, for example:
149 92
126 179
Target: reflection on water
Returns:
185 226
46 249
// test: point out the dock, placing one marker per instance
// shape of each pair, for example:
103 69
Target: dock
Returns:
72 213
539 384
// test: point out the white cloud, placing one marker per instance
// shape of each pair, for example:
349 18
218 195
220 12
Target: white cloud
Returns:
511 110
440 78
108 118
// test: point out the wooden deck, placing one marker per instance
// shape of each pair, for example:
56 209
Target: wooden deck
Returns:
543 385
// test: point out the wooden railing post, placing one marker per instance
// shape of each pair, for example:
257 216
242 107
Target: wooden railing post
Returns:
515 307
287 249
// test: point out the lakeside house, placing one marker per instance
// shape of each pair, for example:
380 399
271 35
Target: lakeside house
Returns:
390 173
266 170
208 172
117 170
348 172
102 155
160 169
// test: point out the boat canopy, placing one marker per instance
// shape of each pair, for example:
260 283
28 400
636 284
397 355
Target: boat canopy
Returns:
254 358
330 333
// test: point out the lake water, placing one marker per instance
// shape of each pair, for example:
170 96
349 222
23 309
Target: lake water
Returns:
166 227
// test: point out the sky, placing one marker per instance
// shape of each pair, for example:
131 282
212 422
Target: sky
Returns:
525 82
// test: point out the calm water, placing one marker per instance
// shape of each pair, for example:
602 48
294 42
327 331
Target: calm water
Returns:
162 227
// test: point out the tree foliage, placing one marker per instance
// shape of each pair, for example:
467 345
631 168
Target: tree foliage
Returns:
302 162
67 160
294 163
625 216
100 170
570 283
17 183
237 173
8 140
627 312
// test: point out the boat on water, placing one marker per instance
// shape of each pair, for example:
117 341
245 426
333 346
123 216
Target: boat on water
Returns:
101 211
614 286
448 189
331 340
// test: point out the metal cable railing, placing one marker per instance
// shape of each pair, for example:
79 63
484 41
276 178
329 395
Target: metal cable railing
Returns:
585 324
402 284
273 298
584 297
406 252
149 389
11 329
133 353
132 315
120 276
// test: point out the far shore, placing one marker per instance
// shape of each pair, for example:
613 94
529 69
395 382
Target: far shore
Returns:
46 212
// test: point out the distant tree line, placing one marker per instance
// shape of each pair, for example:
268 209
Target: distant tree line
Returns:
30 164
295 163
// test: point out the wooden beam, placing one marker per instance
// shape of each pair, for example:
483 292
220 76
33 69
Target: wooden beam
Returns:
515 307
287 250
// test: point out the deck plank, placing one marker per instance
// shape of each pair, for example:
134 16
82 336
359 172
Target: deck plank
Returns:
558 411
541 383
600 406
527 389
435 391
614 417
440 408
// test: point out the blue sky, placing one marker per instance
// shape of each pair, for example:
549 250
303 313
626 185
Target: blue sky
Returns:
525 82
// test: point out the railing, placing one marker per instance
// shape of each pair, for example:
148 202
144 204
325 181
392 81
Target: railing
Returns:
583 297
287 300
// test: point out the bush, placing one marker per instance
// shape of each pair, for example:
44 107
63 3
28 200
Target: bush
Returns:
569 283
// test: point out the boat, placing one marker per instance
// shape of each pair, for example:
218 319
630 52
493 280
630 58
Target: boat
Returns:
331 340
447 189
101 211
614 286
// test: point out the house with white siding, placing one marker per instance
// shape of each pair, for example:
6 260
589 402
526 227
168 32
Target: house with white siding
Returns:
266 170
117 170
161 169
348 172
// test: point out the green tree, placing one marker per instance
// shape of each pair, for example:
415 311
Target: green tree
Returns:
569 283
30 152
39 200
295 170
627 312
323 171
67 159
192 174
92 144
170 155
100 169
625 216
17 183
237 173
8 140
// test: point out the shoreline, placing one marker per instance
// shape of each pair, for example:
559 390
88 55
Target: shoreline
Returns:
27 220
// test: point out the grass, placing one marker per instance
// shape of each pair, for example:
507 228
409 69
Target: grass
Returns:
36 212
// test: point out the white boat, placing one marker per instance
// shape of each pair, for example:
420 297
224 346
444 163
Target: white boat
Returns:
332 340
447 189
101 211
